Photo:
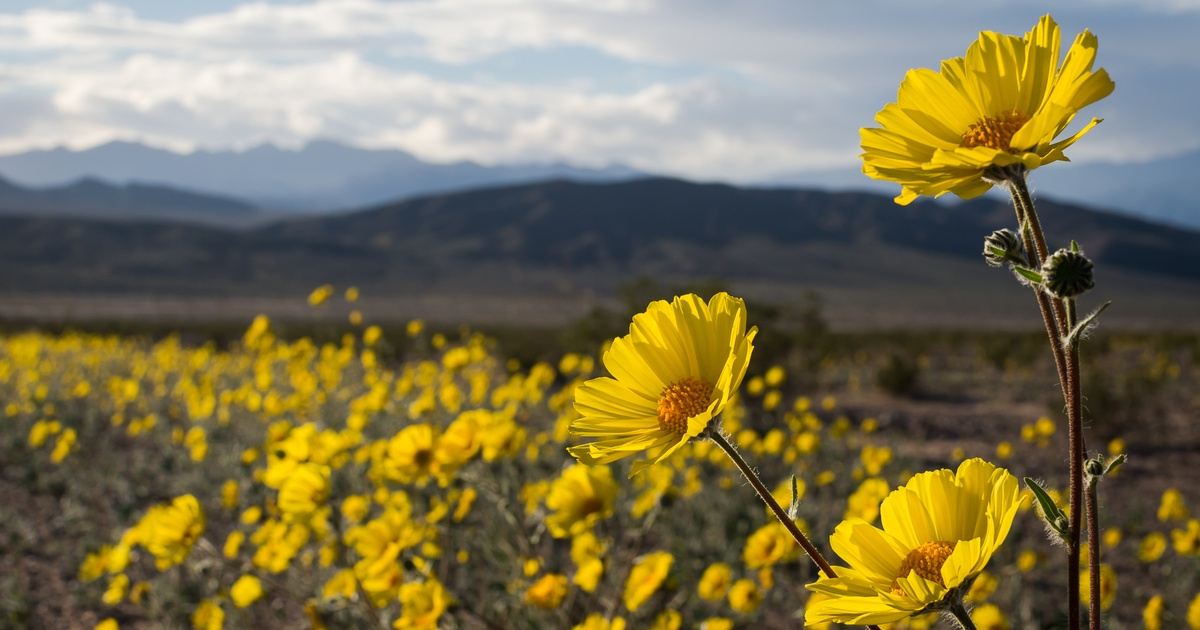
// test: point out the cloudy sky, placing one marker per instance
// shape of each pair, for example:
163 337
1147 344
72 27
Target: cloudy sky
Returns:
703 88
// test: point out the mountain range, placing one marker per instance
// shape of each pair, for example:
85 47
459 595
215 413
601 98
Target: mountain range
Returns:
319 177
572 243
1159 190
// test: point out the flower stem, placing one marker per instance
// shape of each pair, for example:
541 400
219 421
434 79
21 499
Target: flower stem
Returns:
1093 528
959 613
1058 318
781 514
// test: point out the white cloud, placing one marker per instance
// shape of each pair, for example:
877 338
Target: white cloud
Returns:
734 89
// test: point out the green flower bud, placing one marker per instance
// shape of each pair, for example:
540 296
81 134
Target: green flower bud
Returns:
1067 274
1003 246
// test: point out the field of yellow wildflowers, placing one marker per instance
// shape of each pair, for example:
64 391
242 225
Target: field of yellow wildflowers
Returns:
420 479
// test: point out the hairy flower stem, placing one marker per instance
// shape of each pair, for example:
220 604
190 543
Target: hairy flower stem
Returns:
1093 528
765 494
1058 318
959 613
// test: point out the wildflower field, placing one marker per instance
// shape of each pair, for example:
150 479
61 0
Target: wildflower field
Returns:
696 462
420 479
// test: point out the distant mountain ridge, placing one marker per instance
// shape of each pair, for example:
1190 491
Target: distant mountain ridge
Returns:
574 239
96 199
1160 190
322 176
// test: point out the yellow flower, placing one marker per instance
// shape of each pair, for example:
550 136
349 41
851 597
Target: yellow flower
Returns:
229 494
1002 104
1111 537
233 544
169 531
769 545
716 623
410 454
579 498
744 596
864 502
1187 541
422 605
245 591
107 624
1152 613
587 576
208 616
989 617
1172 506
647 575
939 531
320 295
1193 613
714 583
1027 560
674 372
305 490
548 592
597 621
983 587
117 587
1108 586
667 620
1152 548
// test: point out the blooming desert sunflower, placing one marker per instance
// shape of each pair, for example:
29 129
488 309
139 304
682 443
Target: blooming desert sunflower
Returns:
939 531
1002 105
672 374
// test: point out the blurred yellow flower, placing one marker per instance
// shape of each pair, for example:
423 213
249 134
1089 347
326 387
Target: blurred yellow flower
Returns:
597 621
715 581
744 596
1187 541
107 624
1193 613
674 372
769 545
667 620
1111 537
169 531
716 623
422 605
549 591
320 295
1152 547
646 577
989 617
1108 586
579 498
245 591
1027 560
939 531
305 490
1172 506
1152 613
1002 104
208 616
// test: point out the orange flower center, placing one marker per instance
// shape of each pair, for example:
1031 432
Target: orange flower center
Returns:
994 132
927 560
682 400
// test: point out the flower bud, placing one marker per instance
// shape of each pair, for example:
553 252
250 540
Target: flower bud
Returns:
1003 246
1067 274
1094 466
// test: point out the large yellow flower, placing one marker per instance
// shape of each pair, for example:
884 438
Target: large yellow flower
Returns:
939 531
1002 104
673 373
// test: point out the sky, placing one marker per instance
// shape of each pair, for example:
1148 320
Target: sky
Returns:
743 91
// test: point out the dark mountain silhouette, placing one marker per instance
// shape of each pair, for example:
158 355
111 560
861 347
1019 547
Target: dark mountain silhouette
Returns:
319 177
573 239
92 198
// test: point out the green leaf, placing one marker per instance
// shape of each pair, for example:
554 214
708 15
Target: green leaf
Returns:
1083 326
1051 513
1114 463
1028 274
